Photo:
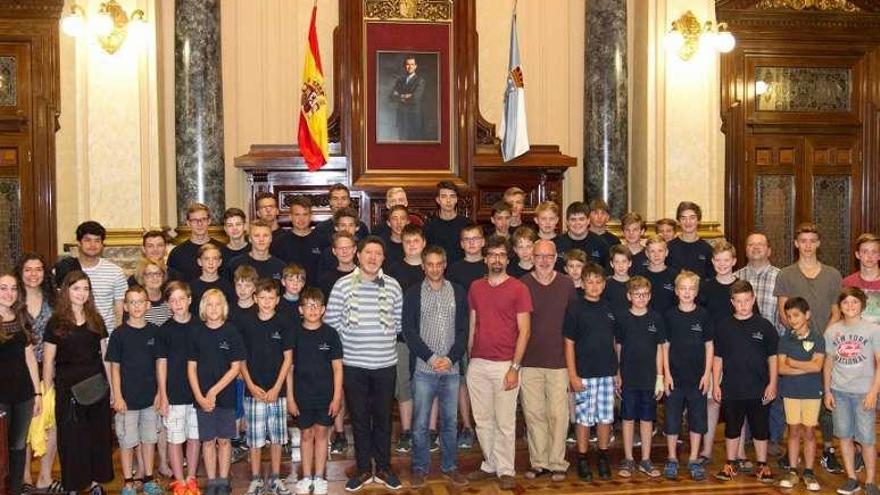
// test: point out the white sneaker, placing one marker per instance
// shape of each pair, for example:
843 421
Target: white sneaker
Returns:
295 455
255 487
295 436
319 486
303 487
290 481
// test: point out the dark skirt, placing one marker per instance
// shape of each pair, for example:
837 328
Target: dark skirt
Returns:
85 442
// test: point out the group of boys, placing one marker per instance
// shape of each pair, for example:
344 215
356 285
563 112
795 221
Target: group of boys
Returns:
670 319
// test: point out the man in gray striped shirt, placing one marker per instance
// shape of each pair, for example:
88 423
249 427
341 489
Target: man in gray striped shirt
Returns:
365 309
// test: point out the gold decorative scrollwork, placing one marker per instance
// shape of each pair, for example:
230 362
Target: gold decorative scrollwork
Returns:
823 5
424 10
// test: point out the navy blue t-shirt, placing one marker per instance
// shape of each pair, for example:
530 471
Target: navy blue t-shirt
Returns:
662 288
214 351
265 342
590 325
744 347
135 350
639 337
687 334
314 352
173 339
694 256
809 385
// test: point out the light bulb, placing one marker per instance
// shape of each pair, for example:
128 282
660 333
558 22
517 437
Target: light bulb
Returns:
725 41
102 24
674 40
73 25
761 87
137 29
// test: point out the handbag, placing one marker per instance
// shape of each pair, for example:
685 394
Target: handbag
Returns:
90 390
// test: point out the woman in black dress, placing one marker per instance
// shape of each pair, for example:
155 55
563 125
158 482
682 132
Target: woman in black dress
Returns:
20 383
73 346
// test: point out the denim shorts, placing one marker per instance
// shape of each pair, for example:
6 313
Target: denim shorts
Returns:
851 420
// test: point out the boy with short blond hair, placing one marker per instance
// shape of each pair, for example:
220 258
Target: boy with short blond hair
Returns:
661 276
801 356
633 226
516 198
688 358
210 260
547 219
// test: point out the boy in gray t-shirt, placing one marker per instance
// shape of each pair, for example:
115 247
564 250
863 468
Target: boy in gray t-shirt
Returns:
851 385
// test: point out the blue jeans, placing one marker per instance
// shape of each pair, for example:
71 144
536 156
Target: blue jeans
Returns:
427 386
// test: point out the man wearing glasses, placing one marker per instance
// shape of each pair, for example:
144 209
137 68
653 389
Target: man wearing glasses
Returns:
183 257
500 308
544 375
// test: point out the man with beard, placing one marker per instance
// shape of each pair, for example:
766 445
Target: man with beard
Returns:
500 322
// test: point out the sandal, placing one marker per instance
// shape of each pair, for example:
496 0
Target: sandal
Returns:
625 469
648 469
52 488
28 488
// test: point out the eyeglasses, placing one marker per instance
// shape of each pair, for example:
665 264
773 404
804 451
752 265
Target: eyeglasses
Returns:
640 294
199 220
313 306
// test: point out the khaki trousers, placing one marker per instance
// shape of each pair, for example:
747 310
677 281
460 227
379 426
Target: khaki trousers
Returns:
494 413
545 407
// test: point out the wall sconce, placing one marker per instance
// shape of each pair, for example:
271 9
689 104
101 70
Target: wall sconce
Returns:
111 25
687 36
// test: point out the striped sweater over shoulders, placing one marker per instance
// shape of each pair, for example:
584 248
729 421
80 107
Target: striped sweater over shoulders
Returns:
367 316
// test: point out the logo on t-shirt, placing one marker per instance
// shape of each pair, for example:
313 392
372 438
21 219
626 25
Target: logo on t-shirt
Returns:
151 341
850 349
276 335
224 346
670 287
652 327
610 316
758 336
324 347
701 257
696 327
595 254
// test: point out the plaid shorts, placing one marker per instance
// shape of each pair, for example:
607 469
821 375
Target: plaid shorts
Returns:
265 419
595 405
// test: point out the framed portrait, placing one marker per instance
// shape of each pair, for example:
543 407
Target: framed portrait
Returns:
407 97
408 93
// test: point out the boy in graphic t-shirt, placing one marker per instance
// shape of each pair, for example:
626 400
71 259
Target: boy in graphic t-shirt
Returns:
688 360
852 381
744 378
268 342
132 357
640 333
801 357
315 394
592 368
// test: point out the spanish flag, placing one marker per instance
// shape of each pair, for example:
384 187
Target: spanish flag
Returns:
312 135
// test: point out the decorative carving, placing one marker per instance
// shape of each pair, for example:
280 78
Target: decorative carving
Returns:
805 89
822 5
423 10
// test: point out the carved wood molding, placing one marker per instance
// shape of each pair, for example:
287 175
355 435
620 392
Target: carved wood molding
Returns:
32 8
409 10
819 5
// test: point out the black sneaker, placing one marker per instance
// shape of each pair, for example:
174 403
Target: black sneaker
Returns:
604 468
97 490
570 437
829 461
339 443
404 442
783 463
583 469
859 462
435 441
387 478
358 481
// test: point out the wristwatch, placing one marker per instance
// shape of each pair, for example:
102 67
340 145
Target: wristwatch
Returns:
515 366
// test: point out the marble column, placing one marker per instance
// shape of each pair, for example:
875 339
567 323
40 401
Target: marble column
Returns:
198 106
606 162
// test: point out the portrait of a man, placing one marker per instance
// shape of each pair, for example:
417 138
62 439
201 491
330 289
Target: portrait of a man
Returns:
407 97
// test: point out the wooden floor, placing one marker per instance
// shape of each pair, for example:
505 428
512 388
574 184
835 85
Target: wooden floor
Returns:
341 466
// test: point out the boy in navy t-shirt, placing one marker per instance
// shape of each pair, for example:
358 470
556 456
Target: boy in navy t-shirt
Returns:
592 368
615 289
744 374
268 341
315 396
688 359
661 275
132 357
640 333
215 355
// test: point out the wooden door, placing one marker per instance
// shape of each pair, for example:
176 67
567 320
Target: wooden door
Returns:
795 178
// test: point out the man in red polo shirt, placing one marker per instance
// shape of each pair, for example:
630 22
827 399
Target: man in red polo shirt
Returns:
500 308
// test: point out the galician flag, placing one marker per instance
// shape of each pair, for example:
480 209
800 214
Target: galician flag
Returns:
312 135
515 135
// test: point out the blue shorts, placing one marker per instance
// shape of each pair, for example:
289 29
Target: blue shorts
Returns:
239 398
638 405
851 420
694 401
595 405
313 415
217 424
